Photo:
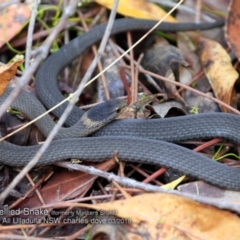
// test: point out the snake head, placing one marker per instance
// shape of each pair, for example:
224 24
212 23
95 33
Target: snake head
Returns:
102 114
107 111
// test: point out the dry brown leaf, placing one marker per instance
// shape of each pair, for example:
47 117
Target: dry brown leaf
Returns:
219 70
64 182
233 26
160 59
186 45
7 72
138 9
174 217
12 19
162 109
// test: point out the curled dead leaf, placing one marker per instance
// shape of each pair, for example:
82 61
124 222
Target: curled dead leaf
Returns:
233 26
219 71
7 72
12 19
163 59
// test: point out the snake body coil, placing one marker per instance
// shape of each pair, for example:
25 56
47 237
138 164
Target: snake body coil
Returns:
47 75
134 140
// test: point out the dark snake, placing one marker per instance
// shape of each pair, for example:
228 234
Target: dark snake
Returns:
144 141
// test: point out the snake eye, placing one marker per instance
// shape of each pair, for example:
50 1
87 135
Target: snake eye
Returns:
117 110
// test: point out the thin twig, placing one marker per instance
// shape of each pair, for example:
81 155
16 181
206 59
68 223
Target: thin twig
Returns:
100 67
66 41
30 34
148 187
100 14
133 82
136 75
198 11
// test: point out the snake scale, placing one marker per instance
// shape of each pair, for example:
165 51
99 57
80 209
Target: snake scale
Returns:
145 141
